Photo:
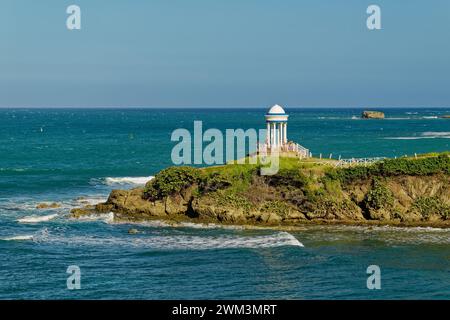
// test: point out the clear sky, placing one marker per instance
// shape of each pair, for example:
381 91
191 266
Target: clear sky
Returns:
224 53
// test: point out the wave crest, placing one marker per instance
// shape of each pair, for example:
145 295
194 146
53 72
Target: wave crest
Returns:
176 242
127 180
36 219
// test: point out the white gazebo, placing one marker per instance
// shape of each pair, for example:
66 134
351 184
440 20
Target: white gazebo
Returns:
276 136
276 121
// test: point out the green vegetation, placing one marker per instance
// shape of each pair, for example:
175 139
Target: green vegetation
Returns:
170 181
234 200
288 178
379 196
427 206
424 165
313 188
276 206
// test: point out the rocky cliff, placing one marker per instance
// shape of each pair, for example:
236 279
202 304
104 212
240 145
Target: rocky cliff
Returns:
399 191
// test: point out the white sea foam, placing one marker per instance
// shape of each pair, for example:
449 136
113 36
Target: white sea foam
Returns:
36 219
404 138
176 242
127 180
424 135
90 200
18 238
105 217
392 235
434 134
192 225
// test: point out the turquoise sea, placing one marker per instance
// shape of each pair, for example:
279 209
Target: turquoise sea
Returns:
76 156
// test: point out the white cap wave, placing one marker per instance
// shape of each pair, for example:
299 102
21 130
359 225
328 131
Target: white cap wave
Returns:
36 219
128 180
175 242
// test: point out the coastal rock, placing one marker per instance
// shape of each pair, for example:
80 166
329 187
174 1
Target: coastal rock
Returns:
270 218
175 205
45 205
207 209
133 231
84 211
294 216
392 192
131 204
447 116
372 115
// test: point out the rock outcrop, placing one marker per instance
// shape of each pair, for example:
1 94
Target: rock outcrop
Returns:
45 205
402 192
372 115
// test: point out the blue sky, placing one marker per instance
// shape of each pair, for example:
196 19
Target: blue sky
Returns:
224 53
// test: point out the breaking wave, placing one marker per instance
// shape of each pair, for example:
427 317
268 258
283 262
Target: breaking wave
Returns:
105 217
18 238
175 242
36 219
424 135
139 181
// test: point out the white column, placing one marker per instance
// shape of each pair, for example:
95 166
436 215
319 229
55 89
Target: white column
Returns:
274 129
285 132
276 135
282 133
271 134
279 134
268 134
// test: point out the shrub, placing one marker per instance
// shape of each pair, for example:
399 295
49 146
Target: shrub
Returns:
234 200
379 196
288 177
170 181
393 167
276 206
214 182
428 206
415 167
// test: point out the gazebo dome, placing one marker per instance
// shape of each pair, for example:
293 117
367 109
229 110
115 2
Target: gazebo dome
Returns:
276 114
276 109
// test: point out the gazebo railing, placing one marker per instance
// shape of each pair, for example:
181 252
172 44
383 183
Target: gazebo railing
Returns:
301 151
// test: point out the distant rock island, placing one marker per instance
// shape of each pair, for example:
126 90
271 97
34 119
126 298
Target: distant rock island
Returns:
372 115
447 116
405 192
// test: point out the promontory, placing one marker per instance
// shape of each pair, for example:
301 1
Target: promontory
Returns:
408 191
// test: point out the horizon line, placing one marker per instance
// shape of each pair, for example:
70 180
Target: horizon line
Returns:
223 107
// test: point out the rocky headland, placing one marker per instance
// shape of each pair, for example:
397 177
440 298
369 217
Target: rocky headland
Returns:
403 191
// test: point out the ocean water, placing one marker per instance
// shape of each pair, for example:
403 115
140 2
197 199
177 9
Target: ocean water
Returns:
77 156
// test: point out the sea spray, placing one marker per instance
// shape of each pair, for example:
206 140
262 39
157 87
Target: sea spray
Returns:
37 219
